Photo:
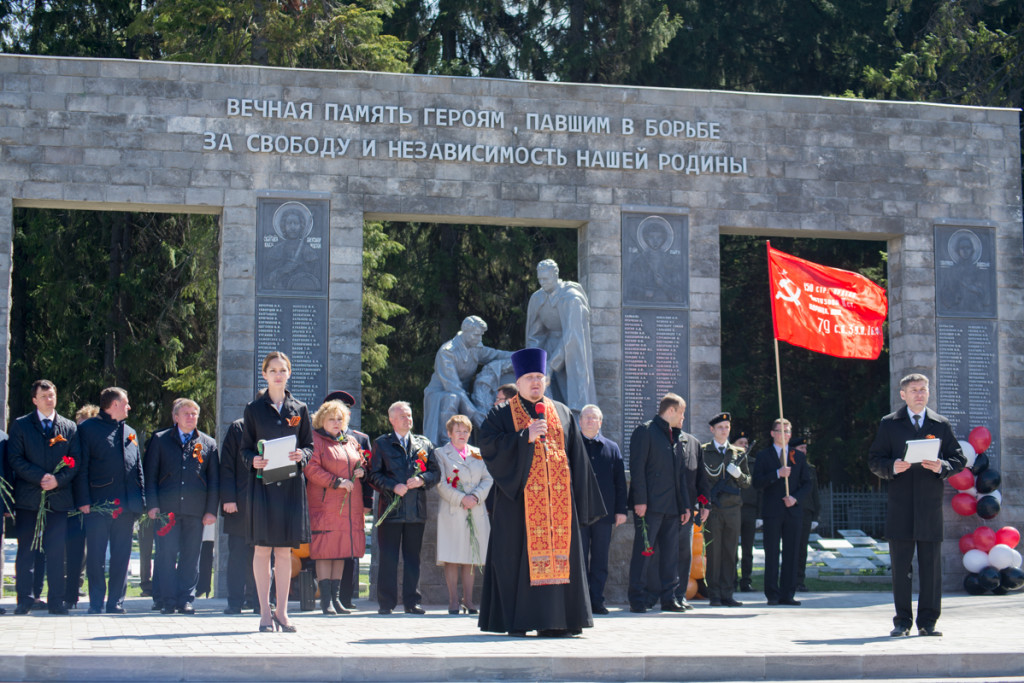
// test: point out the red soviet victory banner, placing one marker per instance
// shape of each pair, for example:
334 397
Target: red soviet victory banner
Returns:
824 309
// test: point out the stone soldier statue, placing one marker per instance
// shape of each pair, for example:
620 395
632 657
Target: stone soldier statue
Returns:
558 321
455 368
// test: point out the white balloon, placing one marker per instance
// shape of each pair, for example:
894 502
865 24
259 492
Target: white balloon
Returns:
995 494
975 560
1001 556
973 491
969 453
1017 559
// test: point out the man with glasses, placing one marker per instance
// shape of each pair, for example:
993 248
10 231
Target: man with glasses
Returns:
781 473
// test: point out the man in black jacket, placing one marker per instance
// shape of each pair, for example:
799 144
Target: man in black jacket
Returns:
610 471
914 516
781 473
235 479
39 454
658 494
403 465
111 475
182 472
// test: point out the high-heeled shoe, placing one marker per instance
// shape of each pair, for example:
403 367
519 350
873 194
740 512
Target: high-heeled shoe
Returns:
287 628
267 628
467 609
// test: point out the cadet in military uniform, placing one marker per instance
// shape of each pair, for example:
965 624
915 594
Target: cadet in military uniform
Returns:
727 473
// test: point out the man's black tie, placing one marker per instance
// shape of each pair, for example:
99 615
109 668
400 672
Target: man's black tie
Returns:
47 426
917 423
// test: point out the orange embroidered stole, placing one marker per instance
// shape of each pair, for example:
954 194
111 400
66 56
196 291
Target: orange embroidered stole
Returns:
548 500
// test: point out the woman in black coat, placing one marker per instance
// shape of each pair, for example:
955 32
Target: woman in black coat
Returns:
279 518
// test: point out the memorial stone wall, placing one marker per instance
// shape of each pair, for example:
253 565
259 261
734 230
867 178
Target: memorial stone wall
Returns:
649 178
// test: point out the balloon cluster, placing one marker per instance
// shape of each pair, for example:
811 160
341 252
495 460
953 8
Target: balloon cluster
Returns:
978 484
992 560
990 557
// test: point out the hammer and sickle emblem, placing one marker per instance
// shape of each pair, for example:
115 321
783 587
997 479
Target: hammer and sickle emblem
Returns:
792 294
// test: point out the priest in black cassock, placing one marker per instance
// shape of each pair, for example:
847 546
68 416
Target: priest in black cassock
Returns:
535 578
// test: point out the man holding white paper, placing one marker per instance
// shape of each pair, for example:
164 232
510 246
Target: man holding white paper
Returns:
914 516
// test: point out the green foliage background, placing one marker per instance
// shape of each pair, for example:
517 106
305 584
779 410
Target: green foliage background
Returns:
77 323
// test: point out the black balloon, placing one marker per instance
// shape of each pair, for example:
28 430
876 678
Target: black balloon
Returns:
988 481
1011 578
980 464
988 578
972 584
988 507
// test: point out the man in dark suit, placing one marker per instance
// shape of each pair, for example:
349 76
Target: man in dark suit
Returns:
350 575
235 479
782 475
182 473
727 472
111 470
660 501
40 443
914 516
610 471
403 465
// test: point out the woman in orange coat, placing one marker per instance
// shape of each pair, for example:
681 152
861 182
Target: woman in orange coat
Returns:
334 491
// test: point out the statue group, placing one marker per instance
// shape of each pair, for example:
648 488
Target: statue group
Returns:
467 374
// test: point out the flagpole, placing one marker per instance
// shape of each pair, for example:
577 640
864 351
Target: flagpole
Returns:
778 383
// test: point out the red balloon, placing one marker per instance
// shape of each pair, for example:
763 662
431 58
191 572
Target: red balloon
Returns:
980 438
966 543
965 504
984 538
962 480
1008 536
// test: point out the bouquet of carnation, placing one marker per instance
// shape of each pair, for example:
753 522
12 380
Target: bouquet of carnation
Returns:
648 548
37 535
109 507
419 466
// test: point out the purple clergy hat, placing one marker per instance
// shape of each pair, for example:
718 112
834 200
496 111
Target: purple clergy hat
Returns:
525 361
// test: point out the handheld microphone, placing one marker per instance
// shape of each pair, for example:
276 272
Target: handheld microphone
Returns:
540 416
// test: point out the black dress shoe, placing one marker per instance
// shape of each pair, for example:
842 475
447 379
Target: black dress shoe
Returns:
928 632
415 609
686 605
517 634
59 609
637 609
600 609
715 603
746 587
116 610
187 608
348 605
155 607
672 607
384 610
554 633
95 610
39 604
772 602
729 602
233 610
790 601
22 608
899 632
166 610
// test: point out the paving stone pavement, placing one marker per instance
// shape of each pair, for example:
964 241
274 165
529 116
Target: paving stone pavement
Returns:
831 636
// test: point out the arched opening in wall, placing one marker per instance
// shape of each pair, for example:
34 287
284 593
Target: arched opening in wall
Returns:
420 280
833 403
103 298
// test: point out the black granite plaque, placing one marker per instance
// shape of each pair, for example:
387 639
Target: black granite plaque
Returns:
291 291
965 274
655 361
654 263
299 328
291 247
967 379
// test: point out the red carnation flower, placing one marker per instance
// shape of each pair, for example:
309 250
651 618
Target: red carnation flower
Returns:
117 512
69 461
117 501
647 552
702 500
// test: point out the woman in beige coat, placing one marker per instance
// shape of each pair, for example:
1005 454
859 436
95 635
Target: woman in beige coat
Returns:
462 525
